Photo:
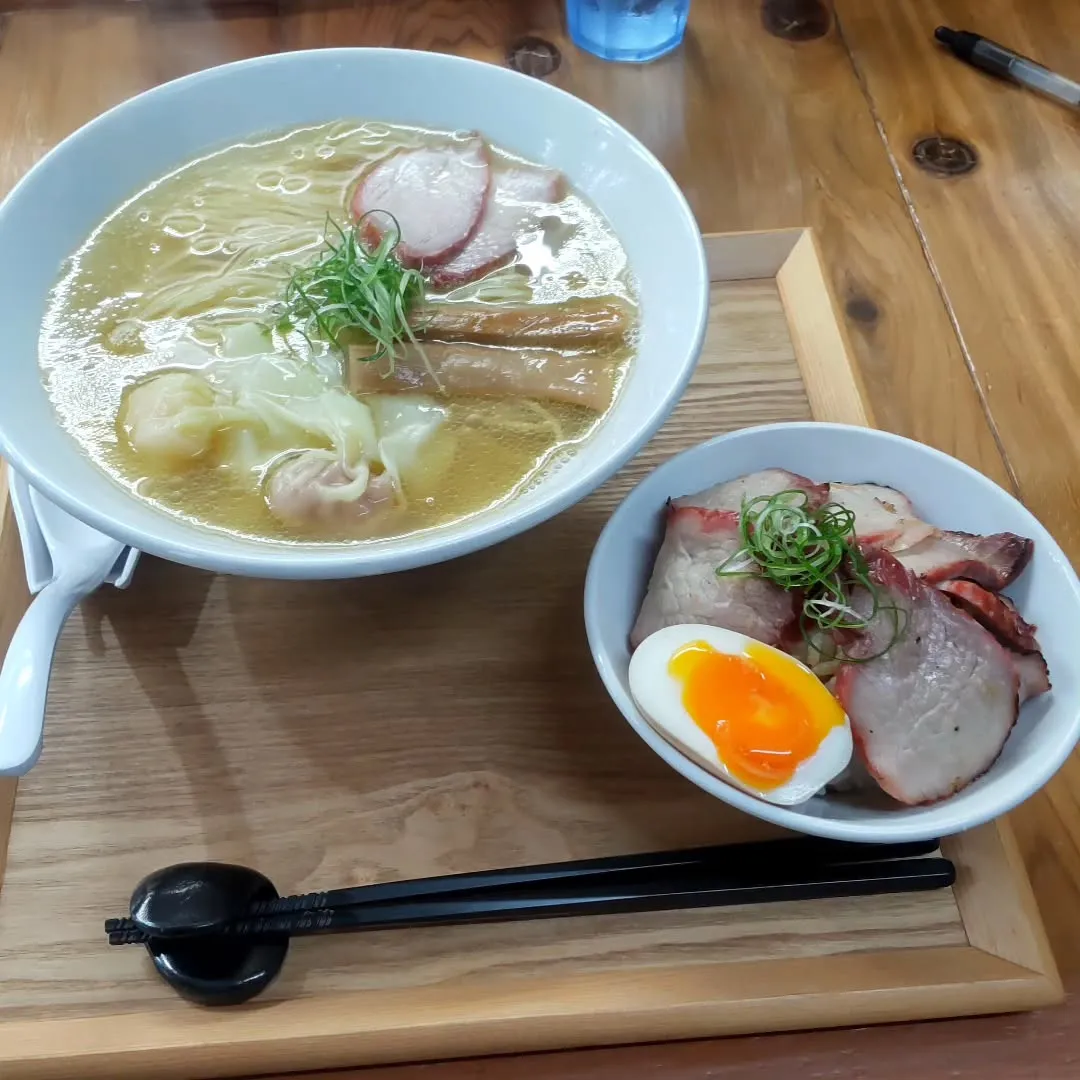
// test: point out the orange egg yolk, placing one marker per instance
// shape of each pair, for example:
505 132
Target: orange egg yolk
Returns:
764 713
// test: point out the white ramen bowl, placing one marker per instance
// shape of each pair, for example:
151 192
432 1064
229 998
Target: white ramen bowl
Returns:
946 493
67 194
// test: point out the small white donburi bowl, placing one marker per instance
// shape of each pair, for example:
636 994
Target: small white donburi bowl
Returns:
945 492
56 205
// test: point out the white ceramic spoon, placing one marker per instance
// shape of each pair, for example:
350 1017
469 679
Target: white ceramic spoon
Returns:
81 559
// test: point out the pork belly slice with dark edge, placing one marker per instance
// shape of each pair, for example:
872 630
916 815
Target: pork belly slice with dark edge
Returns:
999 616
932 713
991 561
684 587
886 518
997 613
731 494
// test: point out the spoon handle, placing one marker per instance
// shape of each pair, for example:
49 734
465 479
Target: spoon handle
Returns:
24 680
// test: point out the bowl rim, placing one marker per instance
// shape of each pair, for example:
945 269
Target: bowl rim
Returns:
283 561
936 820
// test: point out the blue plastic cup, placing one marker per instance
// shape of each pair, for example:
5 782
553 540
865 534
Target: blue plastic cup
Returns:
629 30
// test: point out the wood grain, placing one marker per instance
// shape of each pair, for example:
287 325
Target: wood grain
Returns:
992 882
1006 229
1005 242
1036 1046
485 1018
41 101
833 384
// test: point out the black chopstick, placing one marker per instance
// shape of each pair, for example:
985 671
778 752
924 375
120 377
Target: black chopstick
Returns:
715 887
745 857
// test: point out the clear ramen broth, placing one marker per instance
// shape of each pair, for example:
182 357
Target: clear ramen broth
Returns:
170 353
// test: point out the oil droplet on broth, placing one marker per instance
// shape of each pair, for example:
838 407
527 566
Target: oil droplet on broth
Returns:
295 185
208 246
183 225
270 181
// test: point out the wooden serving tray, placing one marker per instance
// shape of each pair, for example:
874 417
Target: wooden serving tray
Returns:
444 720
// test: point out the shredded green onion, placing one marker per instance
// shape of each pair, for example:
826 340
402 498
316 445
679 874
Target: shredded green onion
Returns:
811 550
350 291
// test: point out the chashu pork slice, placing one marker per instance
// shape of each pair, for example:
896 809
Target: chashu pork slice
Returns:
886 518
999 616
997 613
991 561
515 191
1033 673
433 195
932 713
684 587
731 494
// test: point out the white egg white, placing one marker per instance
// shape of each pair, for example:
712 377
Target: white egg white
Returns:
658 695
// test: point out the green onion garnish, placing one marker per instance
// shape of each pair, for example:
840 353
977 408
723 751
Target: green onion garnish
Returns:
813 551
352 291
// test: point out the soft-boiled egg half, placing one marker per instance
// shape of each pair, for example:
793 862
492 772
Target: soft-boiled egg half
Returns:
744 711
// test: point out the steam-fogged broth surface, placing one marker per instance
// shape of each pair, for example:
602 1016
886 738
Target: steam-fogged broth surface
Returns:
187 278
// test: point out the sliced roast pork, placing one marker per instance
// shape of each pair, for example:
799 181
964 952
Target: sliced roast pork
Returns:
514 192
1033 674
684 587
731 494
933 712
436 194
997 613
991 561
884 517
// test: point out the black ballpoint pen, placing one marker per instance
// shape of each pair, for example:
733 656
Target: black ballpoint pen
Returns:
991 57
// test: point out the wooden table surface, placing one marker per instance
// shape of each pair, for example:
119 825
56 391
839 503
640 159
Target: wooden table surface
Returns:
958 289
